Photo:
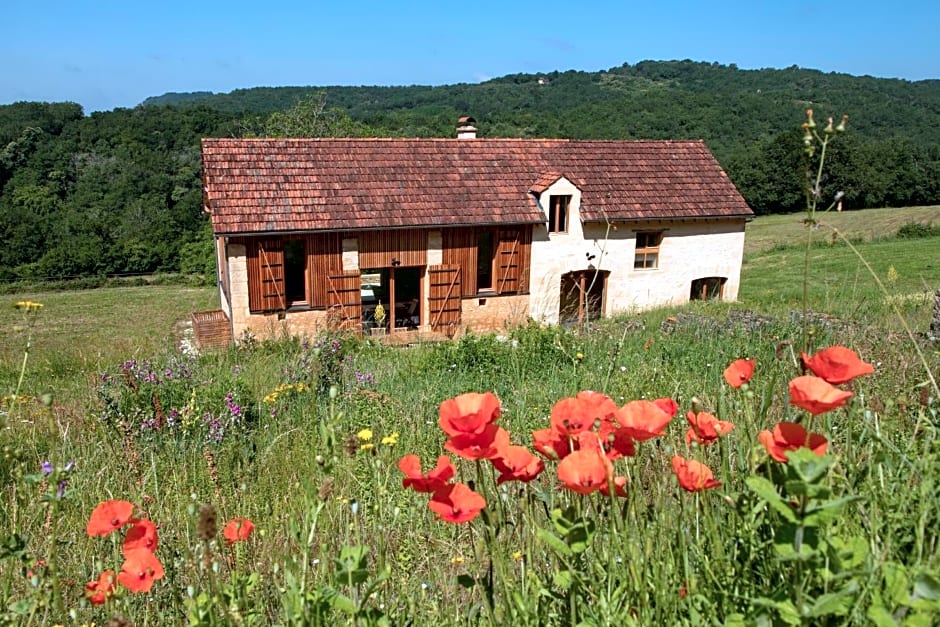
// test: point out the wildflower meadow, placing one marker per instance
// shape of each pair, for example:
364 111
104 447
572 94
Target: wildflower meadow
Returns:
685 466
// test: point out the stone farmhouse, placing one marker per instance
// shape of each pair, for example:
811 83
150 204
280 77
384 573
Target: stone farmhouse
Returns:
441 236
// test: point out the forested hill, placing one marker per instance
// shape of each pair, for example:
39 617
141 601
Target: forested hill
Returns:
119 191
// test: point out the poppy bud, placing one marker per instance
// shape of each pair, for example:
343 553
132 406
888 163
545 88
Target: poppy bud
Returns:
841 127
809 119
829 130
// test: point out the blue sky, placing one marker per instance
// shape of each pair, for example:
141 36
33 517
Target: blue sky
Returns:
105 54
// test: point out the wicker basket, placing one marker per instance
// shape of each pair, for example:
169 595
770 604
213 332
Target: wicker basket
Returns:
211 329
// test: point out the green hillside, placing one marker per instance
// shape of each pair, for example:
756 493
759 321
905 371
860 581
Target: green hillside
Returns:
120 191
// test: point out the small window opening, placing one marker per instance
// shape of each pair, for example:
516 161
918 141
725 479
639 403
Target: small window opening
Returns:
558 214
295 272
708 288
486 253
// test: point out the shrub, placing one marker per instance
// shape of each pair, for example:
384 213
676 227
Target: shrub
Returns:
918 230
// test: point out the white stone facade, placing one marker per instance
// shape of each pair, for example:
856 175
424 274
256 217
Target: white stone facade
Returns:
689 250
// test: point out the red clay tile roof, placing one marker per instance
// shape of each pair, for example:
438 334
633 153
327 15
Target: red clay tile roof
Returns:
262 185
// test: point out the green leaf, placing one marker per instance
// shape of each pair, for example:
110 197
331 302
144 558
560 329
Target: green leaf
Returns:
342 603
766 491
787 612
565 520
563 579
880 616
897 583
827 512
835 603
580 536
926 587
808 466
847 554
554 542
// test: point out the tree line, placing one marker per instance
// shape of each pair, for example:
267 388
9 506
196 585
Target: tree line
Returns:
120 191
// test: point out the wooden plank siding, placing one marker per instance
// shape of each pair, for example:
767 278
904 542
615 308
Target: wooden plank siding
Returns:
384 249
266 289
460 249
444 303
513 251
513 254
324 256
345 298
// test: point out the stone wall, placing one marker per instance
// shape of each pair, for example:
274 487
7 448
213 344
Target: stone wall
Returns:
493 313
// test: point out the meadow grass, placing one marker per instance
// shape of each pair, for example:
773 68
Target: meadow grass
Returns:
766 232
337 539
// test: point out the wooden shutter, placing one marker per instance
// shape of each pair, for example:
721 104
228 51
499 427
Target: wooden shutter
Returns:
444 301
325 252
345 301
512 260
460 249
266 287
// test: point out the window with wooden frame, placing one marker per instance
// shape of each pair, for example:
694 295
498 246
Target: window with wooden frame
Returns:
511 248
647 250
285 273
558 213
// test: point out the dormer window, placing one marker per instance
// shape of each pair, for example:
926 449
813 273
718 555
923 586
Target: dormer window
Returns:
558 213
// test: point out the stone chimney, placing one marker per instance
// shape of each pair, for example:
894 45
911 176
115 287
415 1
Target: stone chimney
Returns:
466 128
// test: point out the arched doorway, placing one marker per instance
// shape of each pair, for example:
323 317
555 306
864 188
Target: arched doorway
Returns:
582 296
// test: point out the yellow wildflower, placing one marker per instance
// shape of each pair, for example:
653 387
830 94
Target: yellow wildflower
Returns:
368 446
457 560
365 435
517 555
28 305
390 440
579 356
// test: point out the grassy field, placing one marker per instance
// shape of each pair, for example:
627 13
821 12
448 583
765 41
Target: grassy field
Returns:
779 230
304 439
80 333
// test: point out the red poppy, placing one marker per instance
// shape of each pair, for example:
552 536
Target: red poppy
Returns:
574 415
739 372
98 592
551 443
142 535
837 364
643 420
456 503
517 463
238 529
620 487
436 478
617 440
584 471
693 476
469 413
668 405
140 569
485 445
789 436
815 395
109 516
705 428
